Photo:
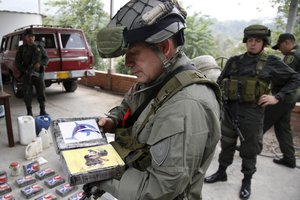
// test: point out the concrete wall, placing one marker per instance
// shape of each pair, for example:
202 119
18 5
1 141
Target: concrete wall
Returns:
119 83
11 20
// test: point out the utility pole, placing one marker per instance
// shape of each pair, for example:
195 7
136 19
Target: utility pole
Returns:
292 16
111 63
39 6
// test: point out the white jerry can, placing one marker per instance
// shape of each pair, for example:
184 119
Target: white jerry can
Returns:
32 150
46 140
26 127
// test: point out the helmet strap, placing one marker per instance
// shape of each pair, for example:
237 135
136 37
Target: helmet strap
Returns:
167 62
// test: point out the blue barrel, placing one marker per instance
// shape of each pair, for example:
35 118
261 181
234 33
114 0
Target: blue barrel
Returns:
42 121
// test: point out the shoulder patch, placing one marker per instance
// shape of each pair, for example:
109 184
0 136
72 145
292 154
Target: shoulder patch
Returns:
289 59
160 150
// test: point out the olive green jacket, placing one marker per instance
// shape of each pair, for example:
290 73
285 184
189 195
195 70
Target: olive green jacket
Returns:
30 55
182 136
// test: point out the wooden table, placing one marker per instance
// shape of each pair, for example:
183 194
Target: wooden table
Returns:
4 100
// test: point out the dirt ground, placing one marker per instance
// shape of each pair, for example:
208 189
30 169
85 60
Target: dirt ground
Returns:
271 147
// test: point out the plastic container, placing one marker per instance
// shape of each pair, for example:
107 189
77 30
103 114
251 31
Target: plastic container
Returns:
14 169
32 150
40 144
26 126
46 138
42 121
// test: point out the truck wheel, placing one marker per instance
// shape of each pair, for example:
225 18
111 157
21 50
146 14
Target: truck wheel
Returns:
70 85
48 83
17 88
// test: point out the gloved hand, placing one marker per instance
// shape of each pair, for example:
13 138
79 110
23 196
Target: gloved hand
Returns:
92 189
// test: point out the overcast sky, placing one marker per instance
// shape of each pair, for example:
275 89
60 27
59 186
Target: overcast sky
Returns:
220 9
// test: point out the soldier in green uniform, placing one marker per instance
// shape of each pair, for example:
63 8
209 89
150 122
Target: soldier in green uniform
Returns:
166 133
279 115
245 83
31 60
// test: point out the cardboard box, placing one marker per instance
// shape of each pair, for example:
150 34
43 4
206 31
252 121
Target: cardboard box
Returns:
90 164
73 133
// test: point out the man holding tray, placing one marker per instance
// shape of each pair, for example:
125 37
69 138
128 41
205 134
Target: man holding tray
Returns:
167 126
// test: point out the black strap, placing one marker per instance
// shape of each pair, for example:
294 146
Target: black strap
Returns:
130 121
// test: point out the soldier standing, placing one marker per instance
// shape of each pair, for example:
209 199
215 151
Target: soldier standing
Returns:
166 130
279 115
31 60
245 83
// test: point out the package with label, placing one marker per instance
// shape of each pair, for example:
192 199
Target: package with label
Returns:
24 181
54 181
31 168
72 133
3 176
65 189
47 197
31 191
45 173
91 164
5 188
7 197
77 196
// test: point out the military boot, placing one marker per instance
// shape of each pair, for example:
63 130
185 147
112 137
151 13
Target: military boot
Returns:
43 110
29 110
285 162
220 175
245 191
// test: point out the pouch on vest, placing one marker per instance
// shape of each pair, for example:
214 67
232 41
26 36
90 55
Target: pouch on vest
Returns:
263 88
233 89
249 88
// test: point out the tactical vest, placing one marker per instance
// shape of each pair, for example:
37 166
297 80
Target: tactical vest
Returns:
136 154
245 89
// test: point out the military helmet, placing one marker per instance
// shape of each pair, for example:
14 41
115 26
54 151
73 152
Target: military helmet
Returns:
258 31
151 21
141 21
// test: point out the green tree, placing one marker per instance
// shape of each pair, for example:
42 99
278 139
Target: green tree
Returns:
198 36
87 15
281 19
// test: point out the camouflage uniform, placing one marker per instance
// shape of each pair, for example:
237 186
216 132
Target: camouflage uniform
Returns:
26 57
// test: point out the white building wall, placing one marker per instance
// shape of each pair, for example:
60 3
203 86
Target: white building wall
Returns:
10 20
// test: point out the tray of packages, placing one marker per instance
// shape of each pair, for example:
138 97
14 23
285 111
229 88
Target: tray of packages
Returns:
91 164
73 133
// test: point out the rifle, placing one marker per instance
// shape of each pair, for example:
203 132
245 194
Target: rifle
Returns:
234 122
32 72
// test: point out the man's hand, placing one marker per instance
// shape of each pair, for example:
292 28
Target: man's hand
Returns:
265 100
107 124
37 67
